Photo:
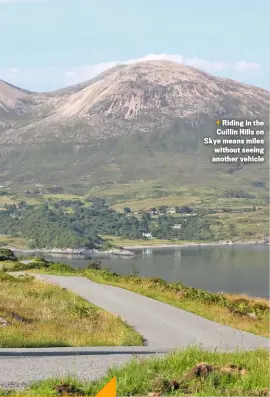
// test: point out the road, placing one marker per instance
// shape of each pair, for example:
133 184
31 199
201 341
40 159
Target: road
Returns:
18 372
163 327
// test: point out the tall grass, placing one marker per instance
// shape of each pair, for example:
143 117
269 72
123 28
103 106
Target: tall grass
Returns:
44 315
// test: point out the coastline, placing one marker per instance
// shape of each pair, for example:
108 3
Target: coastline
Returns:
73 252
129 249
209 244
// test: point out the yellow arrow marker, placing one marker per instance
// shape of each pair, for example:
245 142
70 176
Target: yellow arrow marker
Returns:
109 390
218 122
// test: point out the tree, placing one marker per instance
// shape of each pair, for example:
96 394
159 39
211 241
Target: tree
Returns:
21 204
232 229
163 208
185 210
44 206
145 221
7 255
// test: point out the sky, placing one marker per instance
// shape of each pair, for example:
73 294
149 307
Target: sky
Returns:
49 44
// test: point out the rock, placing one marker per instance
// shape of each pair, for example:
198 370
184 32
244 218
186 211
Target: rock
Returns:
65 389
19 318
199 371
232 369
252 315
161 385
3 322
203 370
174 385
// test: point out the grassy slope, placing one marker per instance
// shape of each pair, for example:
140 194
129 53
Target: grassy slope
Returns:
55 317
143 195
14 242
141 377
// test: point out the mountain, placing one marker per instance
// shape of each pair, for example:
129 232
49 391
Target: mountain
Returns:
145 120
78 87
11 104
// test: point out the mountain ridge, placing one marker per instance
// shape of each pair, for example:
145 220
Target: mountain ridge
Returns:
153 107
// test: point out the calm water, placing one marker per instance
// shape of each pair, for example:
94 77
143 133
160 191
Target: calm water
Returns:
237 269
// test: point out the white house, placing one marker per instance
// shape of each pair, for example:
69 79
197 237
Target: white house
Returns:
147 235
177 226
171 210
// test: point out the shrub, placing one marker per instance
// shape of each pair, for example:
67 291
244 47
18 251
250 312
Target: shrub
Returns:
36 264
7 255
94 265
5 277
60 267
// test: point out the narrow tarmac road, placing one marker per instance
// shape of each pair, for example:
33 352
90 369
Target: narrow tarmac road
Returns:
162 325
18 372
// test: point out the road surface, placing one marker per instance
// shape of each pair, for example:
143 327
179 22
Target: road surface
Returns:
162 325
18 372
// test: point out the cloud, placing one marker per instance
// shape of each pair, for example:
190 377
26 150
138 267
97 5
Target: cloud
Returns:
13 70
86 72
157 57
196 62
33 79
247 66
202 64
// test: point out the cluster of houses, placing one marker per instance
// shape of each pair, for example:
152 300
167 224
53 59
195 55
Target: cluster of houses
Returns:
154 211
163 210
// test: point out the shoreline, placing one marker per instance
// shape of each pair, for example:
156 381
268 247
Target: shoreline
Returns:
75 252
128 250
186 245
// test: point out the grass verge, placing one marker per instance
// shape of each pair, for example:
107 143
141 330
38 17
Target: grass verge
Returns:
119 241
36 314
178 374
238 311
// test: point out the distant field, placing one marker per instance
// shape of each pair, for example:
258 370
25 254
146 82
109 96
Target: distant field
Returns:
62 196
251 225
7 199
147 203
146 190
14 242
146 194
16 198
